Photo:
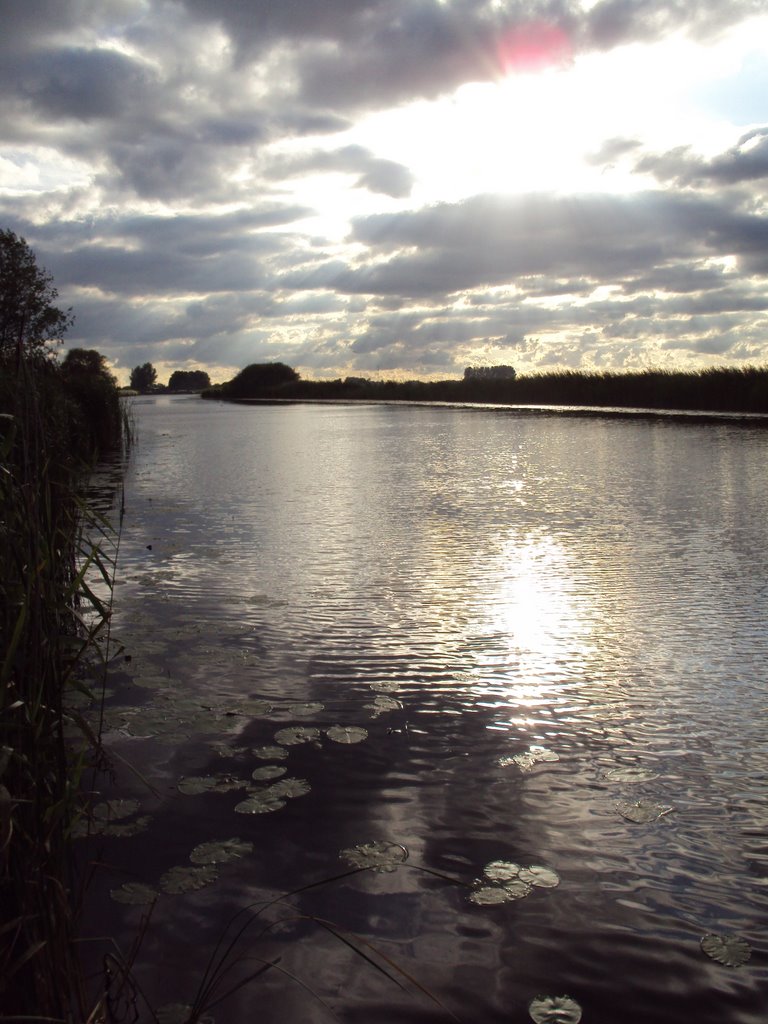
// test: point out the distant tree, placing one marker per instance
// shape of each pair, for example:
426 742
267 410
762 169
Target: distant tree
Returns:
189 380
258 377
144 377
486 373
28 317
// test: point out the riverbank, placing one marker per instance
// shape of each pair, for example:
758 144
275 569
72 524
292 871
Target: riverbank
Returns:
56 420
719 389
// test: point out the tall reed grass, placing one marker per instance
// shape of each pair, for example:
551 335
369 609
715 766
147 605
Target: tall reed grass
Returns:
52 631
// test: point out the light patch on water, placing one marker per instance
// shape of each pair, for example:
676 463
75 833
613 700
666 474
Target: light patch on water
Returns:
729 950
307 709
554 1010
378 856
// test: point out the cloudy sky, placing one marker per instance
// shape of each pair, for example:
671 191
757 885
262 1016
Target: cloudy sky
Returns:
394 188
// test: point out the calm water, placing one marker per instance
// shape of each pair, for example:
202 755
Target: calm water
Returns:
468 586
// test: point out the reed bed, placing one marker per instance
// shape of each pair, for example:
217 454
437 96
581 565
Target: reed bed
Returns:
53 628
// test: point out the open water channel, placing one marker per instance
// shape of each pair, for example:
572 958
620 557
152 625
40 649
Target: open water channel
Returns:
527 651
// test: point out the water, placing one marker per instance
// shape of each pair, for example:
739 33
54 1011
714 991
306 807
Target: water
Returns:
468 586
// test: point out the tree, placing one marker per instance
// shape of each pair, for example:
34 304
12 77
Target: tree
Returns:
28 318
189 380
85 361
143 377
257 376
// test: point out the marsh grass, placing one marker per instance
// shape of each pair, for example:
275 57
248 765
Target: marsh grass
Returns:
55 642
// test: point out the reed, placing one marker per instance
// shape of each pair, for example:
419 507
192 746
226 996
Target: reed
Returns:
54 633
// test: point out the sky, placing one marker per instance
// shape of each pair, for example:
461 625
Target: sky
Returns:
394 189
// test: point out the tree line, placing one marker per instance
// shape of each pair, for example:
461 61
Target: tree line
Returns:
144 380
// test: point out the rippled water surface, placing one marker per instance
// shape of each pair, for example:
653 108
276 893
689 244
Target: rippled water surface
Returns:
533 630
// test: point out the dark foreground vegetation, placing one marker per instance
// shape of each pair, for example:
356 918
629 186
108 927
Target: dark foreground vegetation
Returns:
56 418
721 389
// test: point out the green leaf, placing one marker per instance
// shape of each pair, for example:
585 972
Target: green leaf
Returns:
726 949
554 1010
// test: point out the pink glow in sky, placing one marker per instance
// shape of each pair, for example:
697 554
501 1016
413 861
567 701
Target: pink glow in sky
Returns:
533 47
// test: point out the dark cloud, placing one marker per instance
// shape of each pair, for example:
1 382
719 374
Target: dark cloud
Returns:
491 240
747 161
373 173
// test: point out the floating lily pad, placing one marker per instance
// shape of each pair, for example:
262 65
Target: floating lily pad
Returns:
488 895
261 803
270 753
726 949
295 734
255 707
124 829
179 1013
114 810
289 788
502 870
630 774
347 733
220 852
269 771
382 705
554 1010
538 875
134 893
642 811
185 879
386 687
377 856
526 760
193 785
313 708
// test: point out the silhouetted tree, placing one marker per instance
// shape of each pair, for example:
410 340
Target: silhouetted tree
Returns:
259 377
189 380
28 318
143 377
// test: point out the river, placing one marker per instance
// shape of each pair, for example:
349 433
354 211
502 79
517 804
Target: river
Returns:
524 655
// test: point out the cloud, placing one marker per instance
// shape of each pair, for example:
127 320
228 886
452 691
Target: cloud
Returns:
747 161
377 175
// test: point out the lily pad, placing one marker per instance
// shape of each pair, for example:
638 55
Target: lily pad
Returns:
488 895
185 879
502 870
386 687
261 803
554 1010
642 811
313 708
289 788
134 893
347 733
382 705
124 829
220 852
114 810
377 856
528 759
295 734
726 949
193 785
538 875
631 774
270 753
269 771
